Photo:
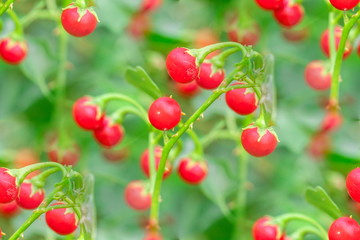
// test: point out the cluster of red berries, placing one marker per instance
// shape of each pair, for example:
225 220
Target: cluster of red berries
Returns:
27 196
89 116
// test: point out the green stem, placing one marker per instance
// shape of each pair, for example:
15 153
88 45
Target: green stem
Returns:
219 60
152 167
5 6
197 143
119 115
39 180
18 27
302 232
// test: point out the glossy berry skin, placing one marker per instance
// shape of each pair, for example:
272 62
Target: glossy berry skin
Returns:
331 122
243 101
13 52
187 90
344 228
192 172
145 162
8 188
181 65
63 221
264 230
109 134
136 196
150 5
289 15
164 113
28 198
75 26
208 79
68 156
9 210
269 4
353 184
152 236
256 145
317 77
86 114
325 42
344 5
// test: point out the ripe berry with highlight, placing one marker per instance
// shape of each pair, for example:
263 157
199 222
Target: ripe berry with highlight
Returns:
28 197
145 162
109 133
344 4
63 221
289 15
136 196
344 228
208 79
181 65
242 100
87 114
325 42
316 76
269 4
257 142
191 171
78 22
353 184
9 210
8 188
13 52
164 113
263 229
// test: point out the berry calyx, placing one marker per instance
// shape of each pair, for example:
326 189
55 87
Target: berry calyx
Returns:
353 184
66 155
29 197
316 76
269 4
78 22
187 90
152 236
87 114
164 113
191 171
344 228
181 65
63 221
289 14
8 188
243 100
208 79
13 52
344 5
258 142
263 229
109 133
331 122
136 195
325 42
9 210
150 5
145 162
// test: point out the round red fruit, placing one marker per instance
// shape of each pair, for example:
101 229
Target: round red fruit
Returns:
331 122
263 229
150 5
187 90
109 134
63 221
28 197
78 22
289 15
67 156
164 113
208 79
8 188
13 52
344 228
145 164
243 100
152 236
325 42
86 114
9 210
257 142
181 65
192 172
136 195
344 4
269 4
316 76
353 184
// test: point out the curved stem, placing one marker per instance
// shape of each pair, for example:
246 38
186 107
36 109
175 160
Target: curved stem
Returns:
39 180
18 27
119 115
198 147
5 6
302 232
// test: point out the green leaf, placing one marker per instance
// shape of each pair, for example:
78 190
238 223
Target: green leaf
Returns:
140 79
319 198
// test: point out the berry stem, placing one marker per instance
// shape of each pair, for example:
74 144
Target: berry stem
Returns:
302 232
18 27
199 151
119 115
4 7
152 167
39 180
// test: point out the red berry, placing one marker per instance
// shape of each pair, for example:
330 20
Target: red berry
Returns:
109 134
320 145
289 15
269 4
353 184
152 236
344 228
136 196
145 163
67 156
86 114
13 52
78 22
344 4
8 188
325 42
116 155
208 79
295 35
63 221
139 25
331 122
243 100
192 172
28 197
150 5
187 90
245 36
181 66
164 113
9 210
263 229
316 76
258 143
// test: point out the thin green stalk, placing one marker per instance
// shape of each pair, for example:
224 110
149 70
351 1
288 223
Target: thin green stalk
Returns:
302 232
198 147
5 6
152 167
18 27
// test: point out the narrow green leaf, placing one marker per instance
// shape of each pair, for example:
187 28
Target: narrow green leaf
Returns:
319 198
141 80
